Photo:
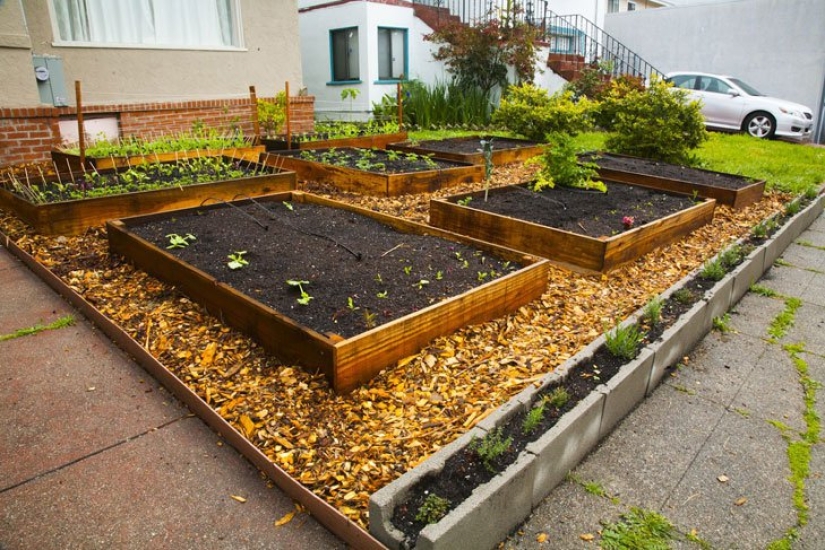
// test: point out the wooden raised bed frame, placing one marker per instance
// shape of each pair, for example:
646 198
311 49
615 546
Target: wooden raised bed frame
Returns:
74 217
377 141
64 160
735 198
375 183
574 251
351 361
500 156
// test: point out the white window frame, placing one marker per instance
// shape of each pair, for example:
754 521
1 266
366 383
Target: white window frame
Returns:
237 29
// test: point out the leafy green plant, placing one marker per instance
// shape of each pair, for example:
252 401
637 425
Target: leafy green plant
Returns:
533 113
533 418
623 340
722 323
351 304
652 312
557 398
421 283
351 94
179 241
713 270
732 256
683 296
305 298
560 165
658 123
272 114
237 260
382 294
638 529
793 207
433 509
490 447
369 319
465 201
65 321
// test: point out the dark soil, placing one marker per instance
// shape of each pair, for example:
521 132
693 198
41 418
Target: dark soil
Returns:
472 145
671 171
373 160
360 272
590 213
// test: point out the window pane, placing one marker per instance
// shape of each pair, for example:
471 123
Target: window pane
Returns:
392 54
345 54
199 23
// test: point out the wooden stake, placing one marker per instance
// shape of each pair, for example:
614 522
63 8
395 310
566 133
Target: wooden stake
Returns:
400 102
256 125
287 120
81 133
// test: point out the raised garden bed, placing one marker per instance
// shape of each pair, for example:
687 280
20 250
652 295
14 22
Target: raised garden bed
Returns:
470 149
56 205
728 189
368 289
584 230
375 171
66 161
324 141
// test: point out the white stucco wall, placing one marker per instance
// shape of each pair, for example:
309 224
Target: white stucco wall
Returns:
270 57
778 46
315 25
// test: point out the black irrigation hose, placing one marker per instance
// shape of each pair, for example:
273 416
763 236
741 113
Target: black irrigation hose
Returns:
241 210
357 255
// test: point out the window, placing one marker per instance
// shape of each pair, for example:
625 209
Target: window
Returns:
344 54
148 23
686 81
631 6
714 86
612 6
392 53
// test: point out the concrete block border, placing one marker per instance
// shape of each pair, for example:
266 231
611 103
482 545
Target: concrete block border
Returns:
499 506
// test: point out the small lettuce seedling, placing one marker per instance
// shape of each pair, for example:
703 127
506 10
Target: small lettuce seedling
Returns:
178 241
236 260
305 297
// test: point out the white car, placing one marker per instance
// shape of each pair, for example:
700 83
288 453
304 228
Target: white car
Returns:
730 104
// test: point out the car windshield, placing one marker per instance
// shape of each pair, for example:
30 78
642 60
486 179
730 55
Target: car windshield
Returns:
748 89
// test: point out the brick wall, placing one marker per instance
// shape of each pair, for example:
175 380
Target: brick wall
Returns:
29 134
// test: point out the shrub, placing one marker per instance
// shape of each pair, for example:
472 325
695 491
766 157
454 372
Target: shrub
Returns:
610 97
659 123
560 165
533 113
272 115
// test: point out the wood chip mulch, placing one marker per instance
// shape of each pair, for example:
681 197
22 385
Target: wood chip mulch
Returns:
344 447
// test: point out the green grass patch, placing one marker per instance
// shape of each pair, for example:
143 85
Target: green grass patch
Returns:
638 529
64 321
764 291
785 320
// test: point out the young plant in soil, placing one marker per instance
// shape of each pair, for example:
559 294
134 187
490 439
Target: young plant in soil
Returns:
180 241
305 298
237 260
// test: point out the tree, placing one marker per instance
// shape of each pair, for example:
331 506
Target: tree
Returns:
479 56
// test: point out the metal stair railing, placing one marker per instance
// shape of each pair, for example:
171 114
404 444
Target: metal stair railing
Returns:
568 34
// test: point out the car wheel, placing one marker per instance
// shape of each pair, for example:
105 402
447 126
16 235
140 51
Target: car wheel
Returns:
760 125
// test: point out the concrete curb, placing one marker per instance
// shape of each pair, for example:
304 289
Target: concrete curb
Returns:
499 506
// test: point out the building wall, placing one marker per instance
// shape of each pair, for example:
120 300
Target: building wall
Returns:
270 57
16 69
778 46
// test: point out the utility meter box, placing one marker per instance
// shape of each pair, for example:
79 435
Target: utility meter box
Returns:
51 82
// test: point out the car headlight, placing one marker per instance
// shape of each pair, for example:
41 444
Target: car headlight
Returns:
791 112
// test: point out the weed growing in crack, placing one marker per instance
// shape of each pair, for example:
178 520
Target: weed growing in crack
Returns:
62 322
764 291
785 320
638 528
722 324
623 341
490 447
433 509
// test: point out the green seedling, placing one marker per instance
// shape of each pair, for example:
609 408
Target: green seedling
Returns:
490 447
178 241
652 312
305 297
433 509
683 296
623 341
465 201
557 398
421 283
713 270
351 304
288 206
439 275
369 318
407 269
382 294
378 278
533 418
722 324
482 275
236 260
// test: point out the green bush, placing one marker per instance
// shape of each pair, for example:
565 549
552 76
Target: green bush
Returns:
272 114
533 113
560 165
658 123
609 99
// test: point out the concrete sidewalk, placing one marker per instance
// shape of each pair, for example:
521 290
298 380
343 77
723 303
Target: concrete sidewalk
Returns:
709 449
94 454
